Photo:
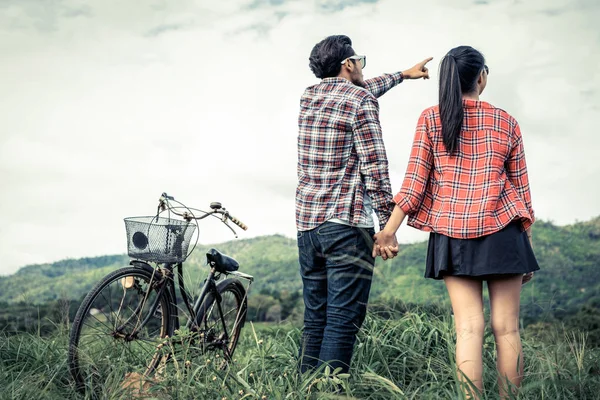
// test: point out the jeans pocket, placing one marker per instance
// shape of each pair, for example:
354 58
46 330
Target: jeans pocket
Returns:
338 243
301 238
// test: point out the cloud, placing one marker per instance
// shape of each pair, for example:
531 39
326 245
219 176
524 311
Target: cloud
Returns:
338 5
78 11
164 28
107 104
263 3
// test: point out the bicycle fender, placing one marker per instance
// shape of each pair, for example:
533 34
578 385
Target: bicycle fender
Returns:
142 265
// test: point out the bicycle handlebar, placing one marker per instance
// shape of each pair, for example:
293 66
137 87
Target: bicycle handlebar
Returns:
238 222
163 204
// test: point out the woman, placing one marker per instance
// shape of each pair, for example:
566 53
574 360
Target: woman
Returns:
467 184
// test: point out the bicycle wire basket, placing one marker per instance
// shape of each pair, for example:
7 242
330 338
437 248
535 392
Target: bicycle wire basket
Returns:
158 239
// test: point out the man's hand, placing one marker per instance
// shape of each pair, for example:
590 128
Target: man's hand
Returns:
385 245
418 71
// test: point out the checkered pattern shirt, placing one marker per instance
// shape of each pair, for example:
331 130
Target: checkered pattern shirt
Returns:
478 190
341 155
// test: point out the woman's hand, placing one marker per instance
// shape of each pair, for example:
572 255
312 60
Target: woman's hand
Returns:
527 277
386 245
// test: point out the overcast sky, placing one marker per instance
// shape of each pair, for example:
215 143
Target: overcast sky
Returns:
106 104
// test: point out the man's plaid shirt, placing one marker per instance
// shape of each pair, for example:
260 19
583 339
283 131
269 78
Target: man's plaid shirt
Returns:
341 155
477 191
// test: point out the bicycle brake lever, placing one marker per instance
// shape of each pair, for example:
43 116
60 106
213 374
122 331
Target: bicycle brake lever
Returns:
230 228
166 197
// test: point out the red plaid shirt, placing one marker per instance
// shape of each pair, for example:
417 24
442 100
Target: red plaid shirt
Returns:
341 155
478 190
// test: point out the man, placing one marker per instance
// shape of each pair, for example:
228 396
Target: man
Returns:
342 178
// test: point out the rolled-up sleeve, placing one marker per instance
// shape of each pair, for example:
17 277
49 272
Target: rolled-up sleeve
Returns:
417 173
380 85
516 171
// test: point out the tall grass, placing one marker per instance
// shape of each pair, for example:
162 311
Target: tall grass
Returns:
408 356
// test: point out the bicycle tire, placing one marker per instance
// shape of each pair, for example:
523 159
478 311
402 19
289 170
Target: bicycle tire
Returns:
209 320
101 348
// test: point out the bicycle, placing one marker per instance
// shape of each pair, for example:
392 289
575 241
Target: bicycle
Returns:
129 318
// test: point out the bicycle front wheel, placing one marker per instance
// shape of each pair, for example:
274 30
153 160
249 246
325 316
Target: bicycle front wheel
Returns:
119 327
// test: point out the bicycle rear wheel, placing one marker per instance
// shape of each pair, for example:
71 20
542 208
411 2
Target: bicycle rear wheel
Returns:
220 323
115 331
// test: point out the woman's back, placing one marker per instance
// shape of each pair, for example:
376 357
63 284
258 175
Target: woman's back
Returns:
475 190
484 143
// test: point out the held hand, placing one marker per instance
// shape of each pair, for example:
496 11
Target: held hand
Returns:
385 245
527 277
418 71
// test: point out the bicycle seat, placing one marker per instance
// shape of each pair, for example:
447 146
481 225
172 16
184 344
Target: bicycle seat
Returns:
221 262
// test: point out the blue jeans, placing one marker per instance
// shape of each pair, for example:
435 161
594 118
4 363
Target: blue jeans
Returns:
336 266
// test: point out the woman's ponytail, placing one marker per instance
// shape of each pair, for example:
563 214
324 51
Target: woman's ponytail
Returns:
459 71
451 108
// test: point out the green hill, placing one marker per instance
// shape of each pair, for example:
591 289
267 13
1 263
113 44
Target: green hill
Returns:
569 257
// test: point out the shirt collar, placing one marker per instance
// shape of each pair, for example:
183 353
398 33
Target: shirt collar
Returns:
335 79
468 103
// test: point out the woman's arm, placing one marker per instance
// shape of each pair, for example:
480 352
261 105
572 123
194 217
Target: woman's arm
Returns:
411 194
516 172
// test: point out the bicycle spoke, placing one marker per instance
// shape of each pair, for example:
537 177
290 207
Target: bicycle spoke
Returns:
101 332
110 302
100 322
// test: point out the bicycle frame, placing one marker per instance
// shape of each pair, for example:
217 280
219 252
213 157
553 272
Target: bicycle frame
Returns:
167 273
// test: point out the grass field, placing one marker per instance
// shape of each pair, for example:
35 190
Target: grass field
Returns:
407 356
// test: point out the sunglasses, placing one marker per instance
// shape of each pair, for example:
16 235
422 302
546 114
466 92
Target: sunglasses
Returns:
487 70
362 59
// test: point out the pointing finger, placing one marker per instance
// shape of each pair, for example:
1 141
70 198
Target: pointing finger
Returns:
425 61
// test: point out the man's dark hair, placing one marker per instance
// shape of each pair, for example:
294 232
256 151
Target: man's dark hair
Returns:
326 57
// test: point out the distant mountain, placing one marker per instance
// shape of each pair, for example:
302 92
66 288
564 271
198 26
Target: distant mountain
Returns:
569 257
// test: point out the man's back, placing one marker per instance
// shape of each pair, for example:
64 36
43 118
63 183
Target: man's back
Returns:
328 165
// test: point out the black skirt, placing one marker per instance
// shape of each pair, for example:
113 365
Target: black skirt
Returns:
506 252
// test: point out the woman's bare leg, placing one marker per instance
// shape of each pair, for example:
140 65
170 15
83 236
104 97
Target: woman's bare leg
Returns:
505 295
467 305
